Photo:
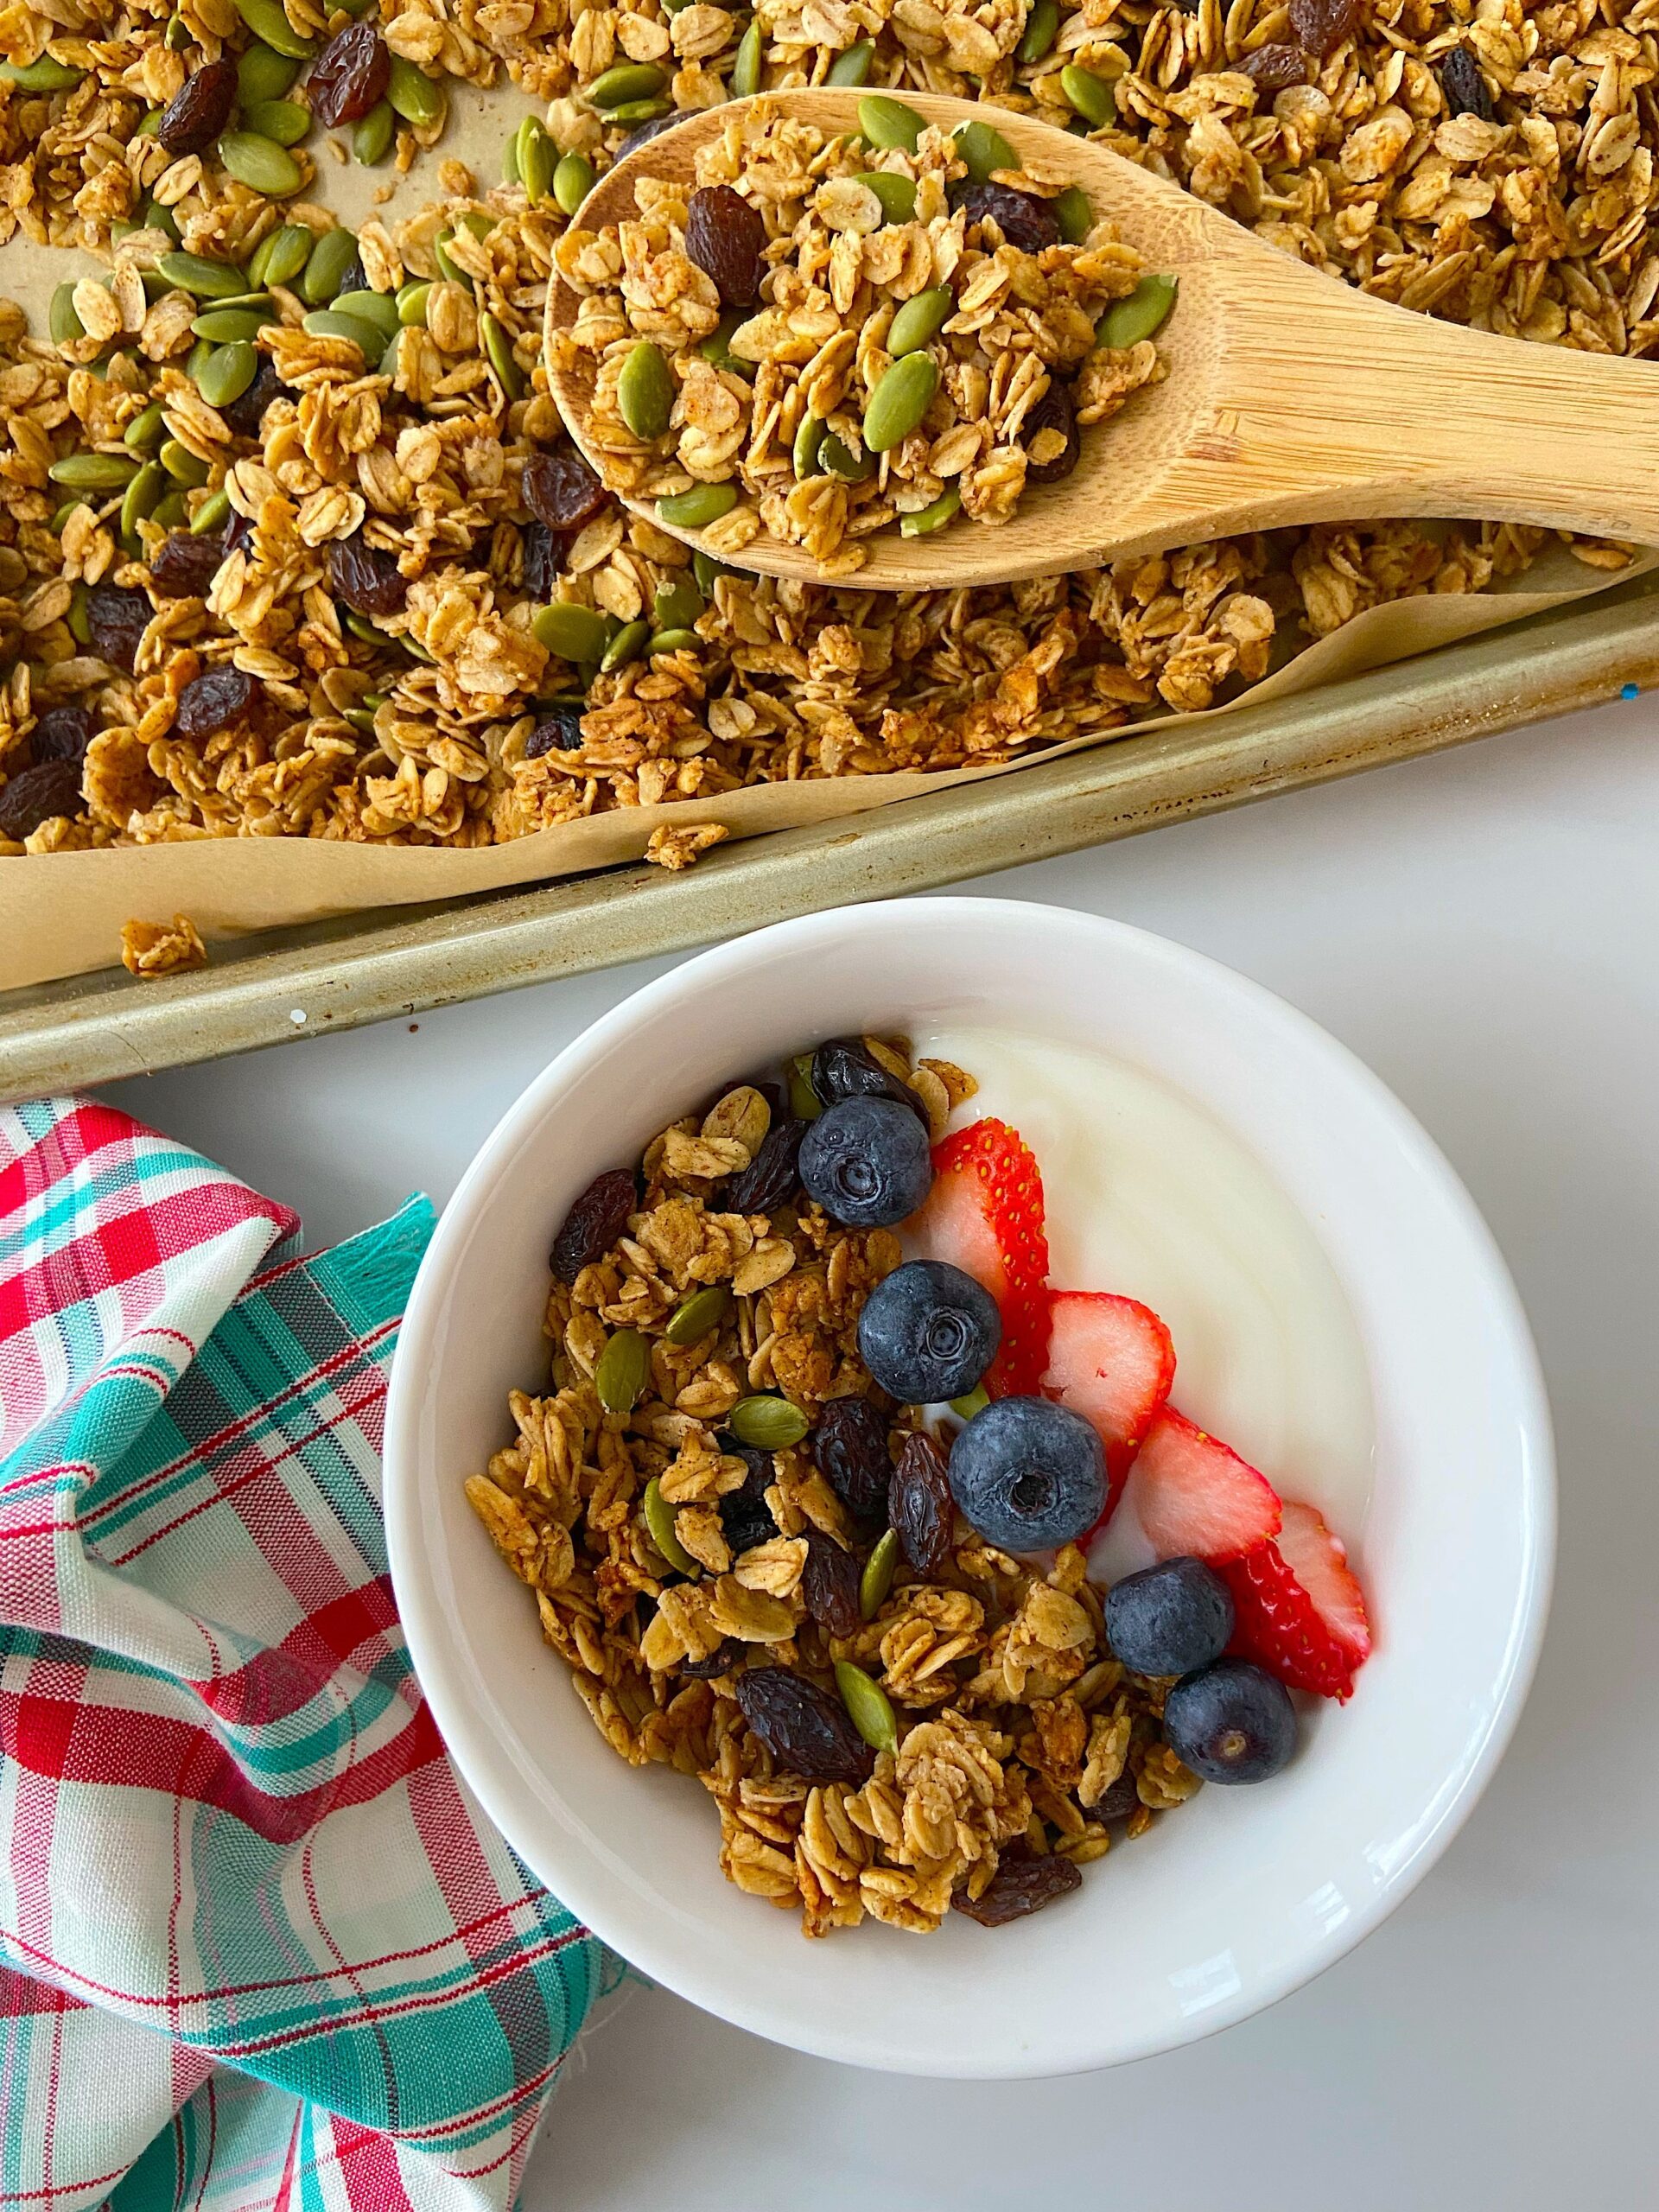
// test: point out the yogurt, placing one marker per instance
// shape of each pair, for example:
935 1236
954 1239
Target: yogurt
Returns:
1147 1194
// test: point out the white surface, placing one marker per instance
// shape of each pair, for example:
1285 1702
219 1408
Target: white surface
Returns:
1481 927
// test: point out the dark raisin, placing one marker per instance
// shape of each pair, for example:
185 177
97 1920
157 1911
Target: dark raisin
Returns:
200 110
745 1517
830 1585
368 580
920 1506
244 415
594 1223
647 132
849 1449
807 1730
1464 85
718 1663
558 730
1120 1800
1271 68
116 619
62 733
36 795
239 532
1322 25
354 280
183 566
1054 411
543 557
1019 1887
773 1177
561 490
214 700
726 236
351 75
1023 220
844 1068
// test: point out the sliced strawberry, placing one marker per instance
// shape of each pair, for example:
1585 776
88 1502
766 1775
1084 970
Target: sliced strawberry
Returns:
1195 1495
984 1214
1300 1612
1111 1360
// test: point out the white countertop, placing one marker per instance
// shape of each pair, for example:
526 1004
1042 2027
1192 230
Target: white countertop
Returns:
1481 927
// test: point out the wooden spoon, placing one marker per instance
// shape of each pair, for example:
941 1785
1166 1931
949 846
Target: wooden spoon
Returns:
1290 397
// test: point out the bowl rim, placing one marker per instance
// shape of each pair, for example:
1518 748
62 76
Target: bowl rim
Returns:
441 1673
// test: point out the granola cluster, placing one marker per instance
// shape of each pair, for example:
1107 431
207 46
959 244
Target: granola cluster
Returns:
682 1574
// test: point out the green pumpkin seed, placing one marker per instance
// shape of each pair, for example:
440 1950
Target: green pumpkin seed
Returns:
227 372
263 74
1042 26
867 1705
213 511
698 1316
183 466
79 618
575 633
808 439
707 571
157 218
61 318
45 75
411 303
627 82
838 459
853 66
644 391
921 318
633 112
145 431
698 508
268 23
156 285
261 299
1091 96
325 271
942 509
573 181
628 644
177 35
378 309
975 1403
716 346
197 355
660 1524
623 1371
360 627
673 641
224 326
769 1424
498 349
1073 213
449 270
140 500
148 125
170 512
94 471
286 252
747 64
1126 322
371 139
417 97
260 163
900 401
804 1102
896 194
285 122
510 160
877 1578
888 122
204 280
323 322
361 720
677 606
983 150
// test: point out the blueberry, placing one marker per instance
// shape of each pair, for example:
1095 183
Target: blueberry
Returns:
928 1332
1028 1474
1231 1723
1169 1619
865 1161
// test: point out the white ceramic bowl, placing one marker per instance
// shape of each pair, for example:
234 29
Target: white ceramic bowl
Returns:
1253 1892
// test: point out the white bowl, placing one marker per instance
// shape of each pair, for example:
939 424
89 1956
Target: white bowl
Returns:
1253 1892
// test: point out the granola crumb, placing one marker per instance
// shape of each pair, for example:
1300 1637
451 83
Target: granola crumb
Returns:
152 949
674 848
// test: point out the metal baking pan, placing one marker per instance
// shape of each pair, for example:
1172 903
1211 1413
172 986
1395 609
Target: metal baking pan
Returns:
401 960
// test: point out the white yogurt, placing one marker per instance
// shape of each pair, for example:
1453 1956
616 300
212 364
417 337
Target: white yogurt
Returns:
1146 1194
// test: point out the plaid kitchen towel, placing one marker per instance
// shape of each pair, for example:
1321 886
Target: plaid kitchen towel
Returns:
258 1947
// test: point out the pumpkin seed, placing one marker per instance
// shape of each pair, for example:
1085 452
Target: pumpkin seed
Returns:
419 100
94 471
677 606
919 319
644 391
371 140
867 1705
170 512
716 346
983 150
145 431
697 1316
808 439
839 460
45 75
263 74
698 508
975 1403
896 194
148 125
224 326
888 122
378 309
157 218
497 347
769 1424
1042 26
360 627
213 511
623 1371
628 644
81 624
852 65
541 167
1073 213
708 570
412 302
361 720
261 299
283 121
325 271
573 181
62 319
746 63
877 1578
260 163
929 518
204 280
156 285
286 252
1126 322
183 466
627 82
660 1524
140 500
267 20
449 270
196 356
324 322
804 1102
227 372
1091 96
673 641
575 633
510 159
900 399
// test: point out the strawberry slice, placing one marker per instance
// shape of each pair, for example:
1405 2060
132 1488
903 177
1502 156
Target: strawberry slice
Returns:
1111 1360
1300 1612
984 1215
1194 1495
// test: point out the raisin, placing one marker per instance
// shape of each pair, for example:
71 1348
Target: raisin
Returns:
830 1585
557 730
36 795
1272 68
1054 411
1023 220
183 566
62 733
807 1730
368 580
117 618
1019 1887
355 279
200 110
213 702
245 416
745 1517
1321 25
1120 1800
844 1068
726 236
543 556
594 1223
1464 85
646 132
849 1449
773 1177
720 1661
561 490
920 1505
351 75
239 532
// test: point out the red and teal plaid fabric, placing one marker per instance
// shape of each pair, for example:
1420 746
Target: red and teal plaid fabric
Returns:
258 1947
